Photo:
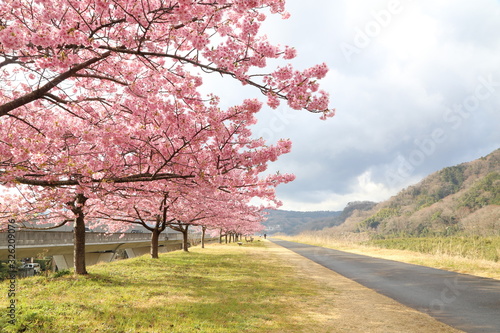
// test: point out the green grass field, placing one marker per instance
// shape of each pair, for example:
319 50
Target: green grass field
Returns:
223 288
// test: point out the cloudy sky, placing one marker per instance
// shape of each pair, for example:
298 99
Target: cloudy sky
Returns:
416 86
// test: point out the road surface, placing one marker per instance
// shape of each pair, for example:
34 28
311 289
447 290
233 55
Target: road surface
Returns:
466 302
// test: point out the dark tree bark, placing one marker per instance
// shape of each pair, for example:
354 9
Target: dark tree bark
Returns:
79 235
203 230
185 243
155 236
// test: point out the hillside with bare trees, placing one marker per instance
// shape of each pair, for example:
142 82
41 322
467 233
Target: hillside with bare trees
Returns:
459 199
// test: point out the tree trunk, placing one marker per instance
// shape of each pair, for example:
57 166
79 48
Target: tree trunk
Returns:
185 239
155 236
79 236
203 230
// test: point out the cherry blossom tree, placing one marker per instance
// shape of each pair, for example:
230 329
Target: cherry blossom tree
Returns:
80 71
99 96
227 211
215 153
68 66
73 53
87 164
229 169
181 208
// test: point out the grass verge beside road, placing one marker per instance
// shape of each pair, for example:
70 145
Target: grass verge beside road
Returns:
259 287
223 288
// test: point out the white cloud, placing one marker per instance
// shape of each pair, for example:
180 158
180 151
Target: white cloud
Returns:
364 189
394 95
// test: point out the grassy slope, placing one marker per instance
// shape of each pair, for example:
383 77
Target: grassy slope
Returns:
224 288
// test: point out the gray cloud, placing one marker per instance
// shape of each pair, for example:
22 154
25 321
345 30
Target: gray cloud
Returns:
422 94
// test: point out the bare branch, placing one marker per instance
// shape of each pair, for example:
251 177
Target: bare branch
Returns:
117 180
24 121
47 228
40 92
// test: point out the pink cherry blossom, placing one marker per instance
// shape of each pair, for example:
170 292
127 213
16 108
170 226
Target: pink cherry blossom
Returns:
102 112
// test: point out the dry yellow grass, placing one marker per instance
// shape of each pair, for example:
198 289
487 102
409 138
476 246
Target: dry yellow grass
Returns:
476 267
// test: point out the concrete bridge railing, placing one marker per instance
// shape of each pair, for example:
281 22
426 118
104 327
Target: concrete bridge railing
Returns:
40 238
99 246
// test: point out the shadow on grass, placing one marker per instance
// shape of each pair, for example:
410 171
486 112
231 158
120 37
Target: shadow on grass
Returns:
179 292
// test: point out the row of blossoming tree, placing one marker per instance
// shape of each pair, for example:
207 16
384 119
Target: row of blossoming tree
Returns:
102 116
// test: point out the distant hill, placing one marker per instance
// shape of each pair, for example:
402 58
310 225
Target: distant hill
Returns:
292 222
461 198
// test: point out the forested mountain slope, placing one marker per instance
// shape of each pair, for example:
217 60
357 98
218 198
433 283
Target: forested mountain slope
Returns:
461 198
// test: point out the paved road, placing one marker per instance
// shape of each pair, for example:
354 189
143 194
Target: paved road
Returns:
466 302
